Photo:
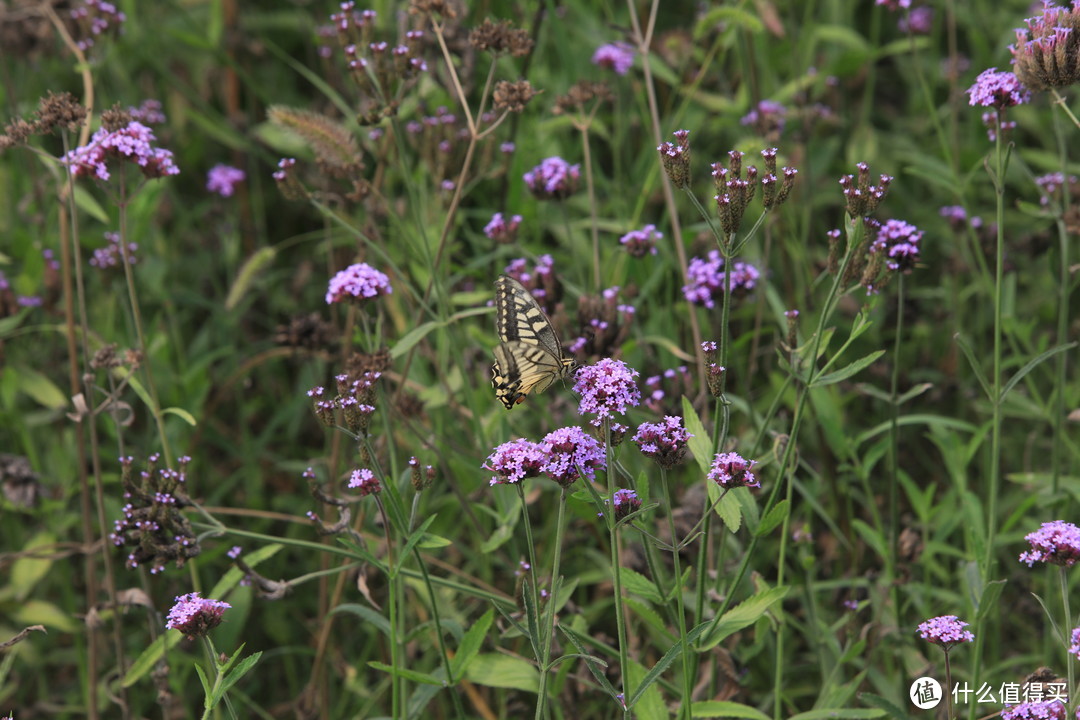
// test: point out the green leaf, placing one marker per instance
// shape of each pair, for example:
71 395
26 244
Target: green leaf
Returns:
1031 365
26 571
415 676
638 584
370 615
727 16
595 665
430 541
89 205
411 542
500 536
39 612
503 671
208 699
149 657
242 669
470 646
773 518
725 709
701 442
974 364
405 344
847 371
248 274
664 662
40 388
839 714
743 615
182 414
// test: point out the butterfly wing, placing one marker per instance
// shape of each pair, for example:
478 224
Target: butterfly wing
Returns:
530 357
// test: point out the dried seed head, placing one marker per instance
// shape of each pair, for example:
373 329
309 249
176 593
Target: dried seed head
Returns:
500 38
581 94
513 96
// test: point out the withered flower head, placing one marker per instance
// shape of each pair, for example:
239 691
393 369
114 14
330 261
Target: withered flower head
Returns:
115 118
500 38
513 96
445 8
581 94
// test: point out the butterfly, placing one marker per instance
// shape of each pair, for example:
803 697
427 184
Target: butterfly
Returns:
529 357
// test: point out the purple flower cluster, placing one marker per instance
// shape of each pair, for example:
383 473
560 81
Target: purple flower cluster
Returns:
148 113
639 243
957 218
1035 710
625 502
357 282
223 179
553 179
920 21
894 5
1053 184
860 197
679 381
615 56
112 255
768 118
1057 543
365 481
663 441
945 630
571 453
501 230
731 470
96 18
707 280
195 616
1075 647
132 143
899 241
606 388
514 461
997 90
675 157
1046 51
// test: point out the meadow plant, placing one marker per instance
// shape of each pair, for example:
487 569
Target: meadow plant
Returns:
820 388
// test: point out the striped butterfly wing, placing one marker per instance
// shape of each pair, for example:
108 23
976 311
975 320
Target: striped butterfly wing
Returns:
530 356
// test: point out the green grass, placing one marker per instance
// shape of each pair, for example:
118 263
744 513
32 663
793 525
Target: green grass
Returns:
879 486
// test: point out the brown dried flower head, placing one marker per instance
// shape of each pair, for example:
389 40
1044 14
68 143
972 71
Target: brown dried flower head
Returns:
513 96
500 38
581 94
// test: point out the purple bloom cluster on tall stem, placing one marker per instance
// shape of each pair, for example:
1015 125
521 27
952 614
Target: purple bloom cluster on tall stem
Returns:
1055 543
625 502
1035 710
357 282
731 470
639 243
606 388
514 461
364 481
572 453
707 279
899 241
615 56
195 616
223 179
945 630
553 179
132 143
664 441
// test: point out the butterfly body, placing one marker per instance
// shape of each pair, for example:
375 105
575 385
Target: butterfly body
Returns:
529 357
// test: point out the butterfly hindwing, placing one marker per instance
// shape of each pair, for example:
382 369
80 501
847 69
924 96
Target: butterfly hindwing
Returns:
530 357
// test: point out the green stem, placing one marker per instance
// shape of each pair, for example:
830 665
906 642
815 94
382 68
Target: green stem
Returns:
1063 308
688 678
948 687
1067 627
553 597
620 613
397 682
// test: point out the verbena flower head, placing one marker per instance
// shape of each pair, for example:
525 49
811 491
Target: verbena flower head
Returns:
945 630
153 527
1035 710
731 470
1057 543
133 143
920 21
734 192
997 90
768 118
860 197
1047 52
639 243
112 255
553 179
95 19
1075 647
663 441
615 56
501 230
898 241
606 388
223 179
569 450
514 461
675 157
365 481
195 616
707 280
149 112
357 282
625 502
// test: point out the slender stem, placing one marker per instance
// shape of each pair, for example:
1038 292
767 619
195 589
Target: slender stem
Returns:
553 597
530 546
948 687
397 683
1063 578
894 455
620 613
1063 313
688 678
